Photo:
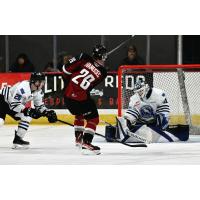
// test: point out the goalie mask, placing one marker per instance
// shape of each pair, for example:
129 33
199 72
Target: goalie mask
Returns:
141 88
99 52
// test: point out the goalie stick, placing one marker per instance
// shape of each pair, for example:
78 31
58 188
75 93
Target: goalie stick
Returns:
134 145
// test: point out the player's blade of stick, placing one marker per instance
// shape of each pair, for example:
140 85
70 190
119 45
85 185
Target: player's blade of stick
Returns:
117 47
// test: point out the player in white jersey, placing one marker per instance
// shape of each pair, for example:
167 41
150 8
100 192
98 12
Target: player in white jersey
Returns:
148 116
13 101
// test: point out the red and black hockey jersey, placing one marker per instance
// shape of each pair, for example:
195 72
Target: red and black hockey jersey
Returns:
82 74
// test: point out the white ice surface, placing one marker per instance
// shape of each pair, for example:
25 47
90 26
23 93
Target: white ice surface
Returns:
55 145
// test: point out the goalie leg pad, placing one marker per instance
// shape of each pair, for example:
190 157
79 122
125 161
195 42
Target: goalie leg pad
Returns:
137 134
162 133
180 131
122 129
171 135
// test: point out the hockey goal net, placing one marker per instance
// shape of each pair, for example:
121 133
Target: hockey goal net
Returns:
180 82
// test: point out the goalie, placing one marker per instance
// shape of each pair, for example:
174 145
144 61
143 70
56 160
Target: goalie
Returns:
147 118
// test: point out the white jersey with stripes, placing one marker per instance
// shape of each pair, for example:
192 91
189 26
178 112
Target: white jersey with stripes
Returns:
155 102
20 94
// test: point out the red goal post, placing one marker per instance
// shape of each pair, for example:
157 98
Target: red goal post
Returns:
180 82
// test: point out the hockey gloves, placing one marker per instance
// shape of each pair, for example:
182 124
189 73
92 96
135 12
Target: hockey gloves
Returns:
51 115
35 114
31 112
162 121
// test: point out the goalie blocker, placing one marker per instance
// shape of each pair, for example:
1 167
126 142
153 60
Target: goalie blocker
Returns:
146 133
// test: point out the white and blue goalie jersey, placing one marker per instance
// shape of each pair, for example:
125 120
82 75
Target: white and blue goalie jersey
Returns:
148 109
20 94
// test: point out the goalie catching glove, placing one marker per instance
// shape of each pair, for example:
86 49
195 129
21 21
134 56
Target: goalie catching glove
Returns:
33 113
51 115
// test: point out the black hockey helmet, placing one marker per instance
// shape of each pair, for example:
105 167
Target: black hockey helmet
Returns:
37 76
99 52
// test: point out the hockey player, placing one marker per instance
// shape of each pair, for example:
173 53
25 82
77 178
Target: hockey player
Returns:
148 116
81 75
13 102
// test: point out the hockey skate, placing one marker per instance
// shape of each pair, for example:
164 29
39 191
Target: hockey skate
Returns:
19 143
87 147
79 138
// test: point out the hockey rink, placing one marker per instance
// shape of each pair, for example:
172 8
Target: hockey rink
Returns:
54 145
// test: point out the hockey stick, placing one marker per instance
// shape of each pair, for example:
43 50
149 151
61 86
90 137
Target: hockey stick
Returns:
114 140
117 47
136 136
